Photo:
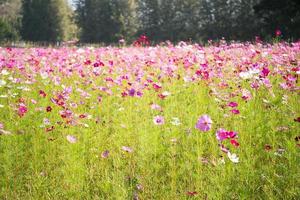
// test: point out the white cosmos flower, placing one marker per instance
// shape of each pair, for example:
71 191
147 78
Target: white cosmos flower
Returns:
4 132
14 94
44 75
233 157
249 74
246 75
2 83
187 79
166 93
4 72
175 121
21 88
254 71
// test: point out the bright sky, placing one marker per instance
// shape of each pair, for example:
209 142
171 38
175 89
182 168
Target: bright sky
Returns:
71 2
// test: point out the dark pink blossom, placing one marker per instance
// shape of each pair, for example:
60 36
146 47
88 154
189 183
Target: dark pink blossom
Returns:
223 134
22 110
235 111
234 143
232 104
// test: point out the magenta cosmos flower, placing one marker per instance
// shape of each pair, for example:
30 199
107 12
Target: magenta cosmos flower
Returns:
204 123
232 104
158 120
222 134
235 111
22 110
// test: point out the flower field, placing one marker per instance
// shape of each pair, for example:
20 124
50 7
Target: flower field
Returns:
164 122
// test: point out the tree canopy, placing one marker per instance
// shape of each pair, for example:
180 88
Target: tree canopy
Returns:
46 20
108 21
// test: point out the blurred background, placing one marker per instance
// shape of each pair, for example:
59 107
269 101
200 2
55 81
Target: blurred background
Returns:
109 21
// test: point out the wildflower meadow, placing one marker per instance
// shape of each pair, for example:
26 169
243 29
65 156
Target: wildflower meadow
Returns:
169 121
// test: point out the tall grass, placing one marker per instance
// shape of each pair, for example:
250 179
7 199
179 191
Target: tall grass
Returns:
167 161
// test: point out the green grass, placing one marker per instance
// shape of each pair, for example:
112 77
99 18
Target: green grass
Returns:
35 164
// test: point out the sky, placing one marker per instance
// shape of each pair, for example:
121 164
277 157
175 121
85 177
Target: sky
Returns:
71 2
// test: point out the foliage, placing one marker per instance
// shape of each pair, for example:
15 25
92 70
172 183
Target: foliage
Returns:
9 20
47 20
7 32
281 15
105 21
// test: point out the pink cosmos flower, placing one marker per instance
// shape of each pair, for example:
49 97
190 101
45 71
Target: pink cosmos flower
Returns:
155 107
72 139
267 82
221 134
156 86
255 85
122 41
246 94
65 113
158 120
105 154
223 148
46 121
33 101
164 94
127 149
204 123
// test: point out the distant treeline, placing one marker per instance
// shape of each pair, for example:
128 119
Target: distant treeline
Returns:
108 21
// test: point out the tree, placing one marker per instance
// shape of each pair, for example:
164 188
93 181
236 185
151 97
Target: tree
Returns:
185 20
248 24
149 19
106 20
231 19
280 14
125 14
45 20
9 19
